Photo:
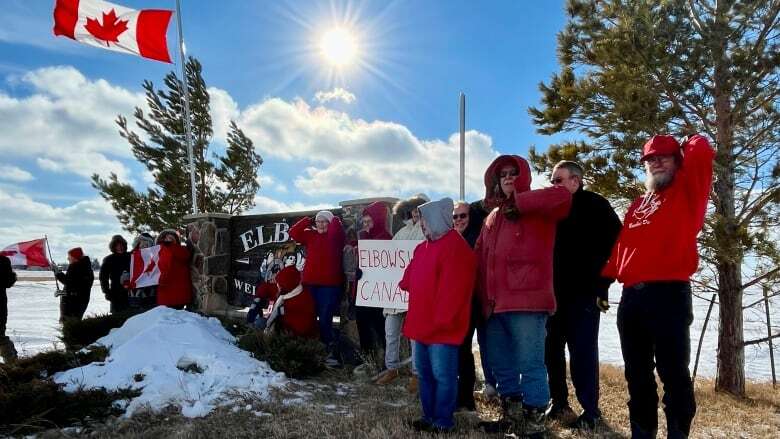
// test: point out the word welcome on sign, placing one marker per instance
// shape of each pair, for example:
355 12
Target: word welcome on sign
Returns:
383 264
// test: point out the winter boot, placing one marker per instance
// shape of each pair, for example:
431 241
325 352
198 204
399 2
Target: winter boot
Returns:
7 350
386 377
534 425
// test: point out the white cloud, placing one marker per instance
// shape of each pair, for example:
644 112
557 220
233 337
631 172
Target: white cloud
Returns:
269 181
265 204
87 223
67 122
12 173
337 94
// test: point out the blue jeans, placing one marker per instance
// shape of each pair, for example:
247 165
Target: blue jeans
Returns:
326 303
515 346
437 372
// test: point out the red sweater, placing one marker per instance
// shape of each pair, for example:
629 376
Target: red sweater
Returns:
516 257
299 318
323 252
175 288
658 239
440 281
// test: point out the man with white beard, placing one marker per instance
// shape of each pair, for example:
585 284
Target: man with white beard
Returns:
654 258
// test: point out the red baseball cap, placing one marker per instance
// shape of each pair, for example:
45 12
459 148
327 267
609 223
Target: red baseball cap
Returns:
661 145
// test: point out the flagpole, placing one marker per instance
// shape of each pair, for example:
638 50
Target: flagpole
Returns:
186 96
51 259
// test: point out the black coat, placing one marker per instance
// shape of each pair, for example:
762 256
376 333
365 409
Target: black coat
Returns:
583 243
78 280
111 276
7 280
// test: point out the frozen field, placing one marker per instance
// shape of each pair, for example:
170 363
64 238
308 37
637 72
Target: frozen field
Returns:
33 312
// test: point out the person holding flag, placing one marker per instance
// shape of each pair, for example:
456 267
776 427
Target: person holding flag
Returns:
78 280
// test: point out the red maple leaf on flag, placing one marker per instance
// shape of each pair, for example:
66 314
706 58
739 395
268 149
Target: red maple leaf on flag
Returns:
109 30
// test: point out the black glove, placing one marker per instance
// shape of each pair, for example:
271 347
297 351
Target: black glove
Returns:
358 274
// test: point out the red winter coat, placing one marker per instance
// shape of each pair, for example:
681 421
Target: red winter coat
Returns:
658 239
440 282
175 288
300 317
515 258
378 213
323 252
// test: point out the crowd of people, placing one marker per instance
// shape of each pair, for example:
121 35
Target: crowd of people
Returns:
527 269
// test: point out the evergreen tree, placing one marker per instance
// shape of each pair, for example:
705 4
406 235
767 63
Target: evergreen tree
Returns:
224 184
631 69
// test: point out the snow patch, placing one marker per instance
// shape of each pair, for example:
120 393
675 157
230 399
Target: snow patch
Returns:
156 346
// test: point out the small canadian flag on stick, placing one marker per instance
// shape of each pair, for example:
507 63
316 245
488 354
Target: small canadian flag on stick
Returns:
114 27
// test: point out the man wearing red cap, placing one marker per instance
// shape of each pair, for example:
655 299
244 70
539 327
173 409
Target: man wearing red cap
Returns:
654 258
78 280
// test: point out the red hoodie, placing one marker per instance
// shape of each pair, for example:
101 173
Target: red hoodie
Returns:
323 252
378 213
515 258
440 281
658 239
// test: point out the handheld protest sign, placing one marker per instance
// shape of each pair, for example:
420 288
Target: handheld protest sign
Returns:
383 263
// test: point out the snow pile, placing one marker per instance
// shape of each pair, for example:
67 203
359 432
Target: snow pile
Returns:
145 352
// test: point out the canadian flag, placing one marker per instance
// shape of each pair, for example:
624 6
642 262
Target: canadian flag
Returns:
29 253
114 27
145 267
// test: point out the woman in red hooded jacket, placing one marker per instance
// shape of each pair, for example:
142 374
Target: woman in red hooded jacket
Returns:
515 285
175 288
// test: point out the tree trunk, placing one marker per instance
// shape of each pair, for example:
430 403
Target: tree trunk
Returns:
729 253
731 349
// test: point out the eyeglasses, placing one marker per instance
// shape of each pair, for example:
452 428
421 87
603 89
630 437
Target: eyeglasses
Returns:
559 180
460 216
512 173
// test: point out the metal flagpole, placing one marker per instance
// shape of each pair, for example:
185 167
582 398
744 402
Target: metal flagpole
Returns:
186 96
51 259
462 146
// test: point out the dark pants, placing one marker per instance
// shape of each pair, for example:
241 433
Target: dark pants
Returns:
371 328
653 321
3 312
575 324
467 376
73 307
326 304
119 301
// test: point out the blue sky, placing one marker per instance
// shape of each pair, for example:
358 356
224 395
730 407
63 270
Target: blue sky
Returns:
388 130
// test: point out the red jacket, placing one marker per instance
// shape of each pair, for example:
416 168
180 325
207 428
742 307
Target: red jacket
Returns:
515 258
323 252
658 239
175 288
440 282
378 213
299 318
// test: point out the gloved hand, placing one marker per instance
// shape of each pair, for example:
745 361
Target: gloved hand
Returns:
358 273
602 304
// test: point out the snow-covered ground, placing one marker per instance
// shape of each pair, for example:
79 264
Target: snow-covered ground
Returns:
175 357
33 313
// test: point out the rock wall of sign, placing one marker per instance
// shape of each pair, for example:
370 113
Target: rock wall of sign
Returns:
211 262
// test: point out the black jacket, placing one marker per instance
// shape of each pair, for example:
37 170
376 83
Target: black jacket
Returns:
583 243
7 275
477 215
78 279
111 275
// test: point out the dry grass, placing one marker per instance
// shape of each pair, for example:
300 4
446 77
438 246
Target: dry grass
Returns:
338 405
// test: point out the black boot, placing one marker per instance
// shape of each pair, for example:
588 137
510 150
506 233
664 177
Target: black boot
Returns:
534 422
639 432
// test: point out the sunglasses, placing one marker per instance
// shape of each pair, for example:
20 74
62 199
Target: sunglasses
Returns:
512 173
558 180
460 216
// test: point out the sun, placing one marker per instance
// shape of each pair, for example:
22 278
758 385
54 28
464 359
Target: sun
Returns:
339 47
